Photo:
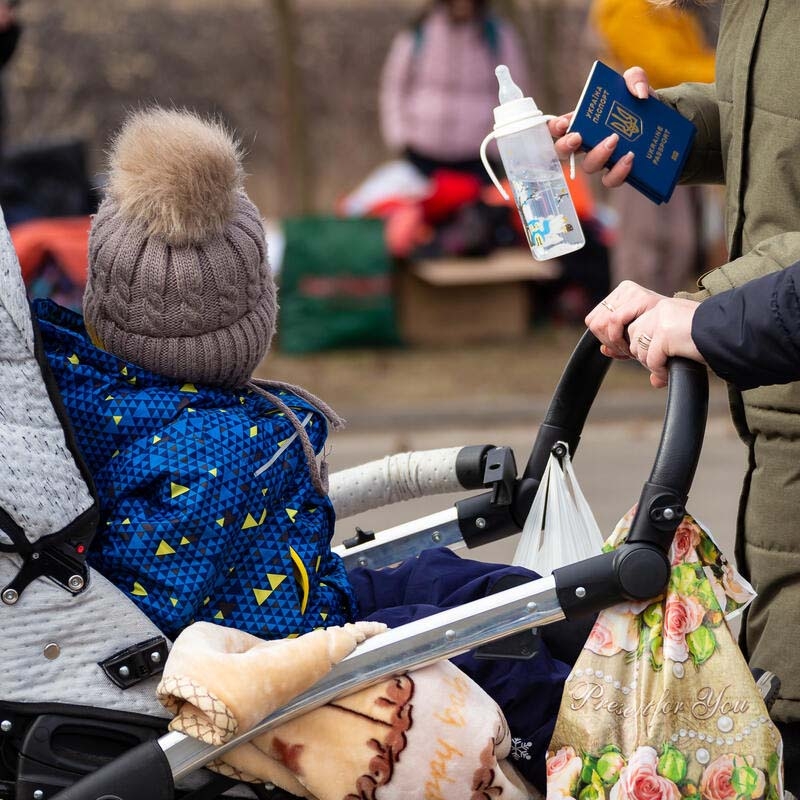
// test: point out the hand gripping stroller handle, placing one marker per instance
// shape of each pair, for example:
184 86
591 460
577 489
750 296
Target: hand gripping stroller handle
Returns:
639 569
684 419
675 462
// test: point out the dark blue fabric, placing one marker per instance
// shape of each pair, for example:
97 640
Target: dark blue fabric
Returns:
529 692
750 335
190 527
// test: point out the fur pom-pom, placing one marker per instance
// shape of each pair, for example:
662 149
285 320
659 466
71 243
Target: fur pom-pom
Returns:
176 173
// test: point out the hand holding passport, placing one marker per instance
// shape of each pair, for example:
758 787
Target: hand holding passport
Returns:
659 136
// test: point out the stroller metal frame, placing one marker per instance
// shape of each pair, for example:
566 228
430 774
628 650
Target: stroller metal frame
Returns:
639 569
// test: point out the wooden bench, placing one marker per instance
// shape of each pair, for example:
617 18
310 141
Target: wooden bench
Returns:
468 300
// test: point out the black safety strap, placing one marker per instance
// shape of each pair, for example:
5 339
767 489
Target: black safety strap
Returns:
60 556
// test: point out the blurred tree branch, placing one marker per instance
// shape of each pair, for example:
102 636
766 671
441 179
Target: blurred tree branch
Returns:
297 156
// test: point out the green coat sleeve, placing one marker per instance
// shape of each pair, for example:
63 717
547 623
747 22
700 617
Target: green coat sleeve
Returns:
773 254
698 103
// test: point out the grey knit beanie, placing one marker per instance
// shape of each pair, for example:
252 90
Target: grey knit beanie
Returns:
178 276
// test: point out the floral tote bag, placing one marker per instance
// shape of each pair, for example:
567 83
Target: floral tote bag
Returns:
661 704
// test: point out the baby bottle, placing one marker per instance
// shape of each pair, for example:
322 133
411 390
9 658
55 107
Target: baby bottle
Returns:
534 171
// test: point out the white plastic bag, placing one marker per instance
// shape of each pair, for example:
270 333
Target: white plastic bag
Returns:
560 528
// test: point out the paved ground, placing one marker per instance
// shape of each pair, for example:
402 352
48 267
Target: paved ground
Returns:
476 385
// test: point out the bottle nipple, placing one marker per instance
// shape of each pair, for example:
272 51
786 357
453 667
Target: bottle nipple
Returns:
508 89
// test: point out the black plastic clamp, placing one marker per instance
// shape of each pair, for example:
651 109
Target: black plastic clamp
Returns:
518 646
361 537
57 563
471 465
666 511
136 663
500 475
61 556
560 451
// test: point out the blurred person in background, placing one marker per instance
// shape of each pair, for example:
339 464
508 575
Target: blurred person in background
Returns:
658 246
9 36
438 86
437 95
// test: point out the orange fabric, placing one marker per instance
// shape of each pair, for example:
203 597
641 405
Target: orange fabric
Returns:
405 229
65 239
580 192
667 42
579 189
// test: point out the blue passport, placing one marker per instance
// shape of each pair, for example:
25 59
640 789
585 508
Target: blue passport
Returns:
659 136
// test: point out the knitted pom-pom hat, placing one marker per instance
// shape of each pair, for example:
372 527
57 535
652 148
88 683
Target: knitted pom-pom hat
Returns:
178 277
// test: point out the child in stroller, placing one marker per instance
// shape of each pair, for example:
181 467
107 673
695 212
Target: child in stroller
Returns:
212 505
184 448
128 662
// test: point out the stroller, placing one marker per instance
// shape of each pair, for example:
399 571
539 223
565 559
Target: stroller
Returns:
79 716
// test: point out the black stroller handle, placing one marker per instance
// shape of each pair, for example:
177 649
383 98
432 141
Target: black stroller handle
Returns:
684 419
673 470
638 569
571 403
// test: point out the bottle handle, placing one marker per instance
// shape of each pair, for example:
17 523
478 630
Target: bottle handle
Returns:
488 167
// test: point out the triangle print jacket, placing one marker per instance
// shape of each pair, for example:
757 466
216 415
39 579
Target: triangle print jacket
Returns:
208 510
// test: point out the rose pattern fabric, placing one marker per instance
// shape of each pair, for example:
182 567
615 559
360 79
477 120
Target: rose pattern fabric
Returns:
704 589
652 775
616 630
730 777
640 780
735 588
684 545
563 772
682 616
612 633
660 704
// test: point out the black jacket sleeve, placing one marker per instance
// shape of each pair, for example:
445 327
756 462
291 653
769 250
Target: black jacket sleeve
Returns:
750 336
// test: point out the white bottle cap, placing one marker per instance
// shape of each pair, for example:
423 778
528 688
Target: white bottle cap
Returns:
514 114
513 106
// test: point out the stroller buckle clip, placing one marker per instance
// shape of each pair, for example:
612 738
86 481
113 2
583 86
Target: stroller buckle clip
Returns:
54 562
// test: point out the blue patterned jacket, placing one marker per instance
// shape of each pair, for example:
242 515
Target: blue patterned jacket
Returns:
188 530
